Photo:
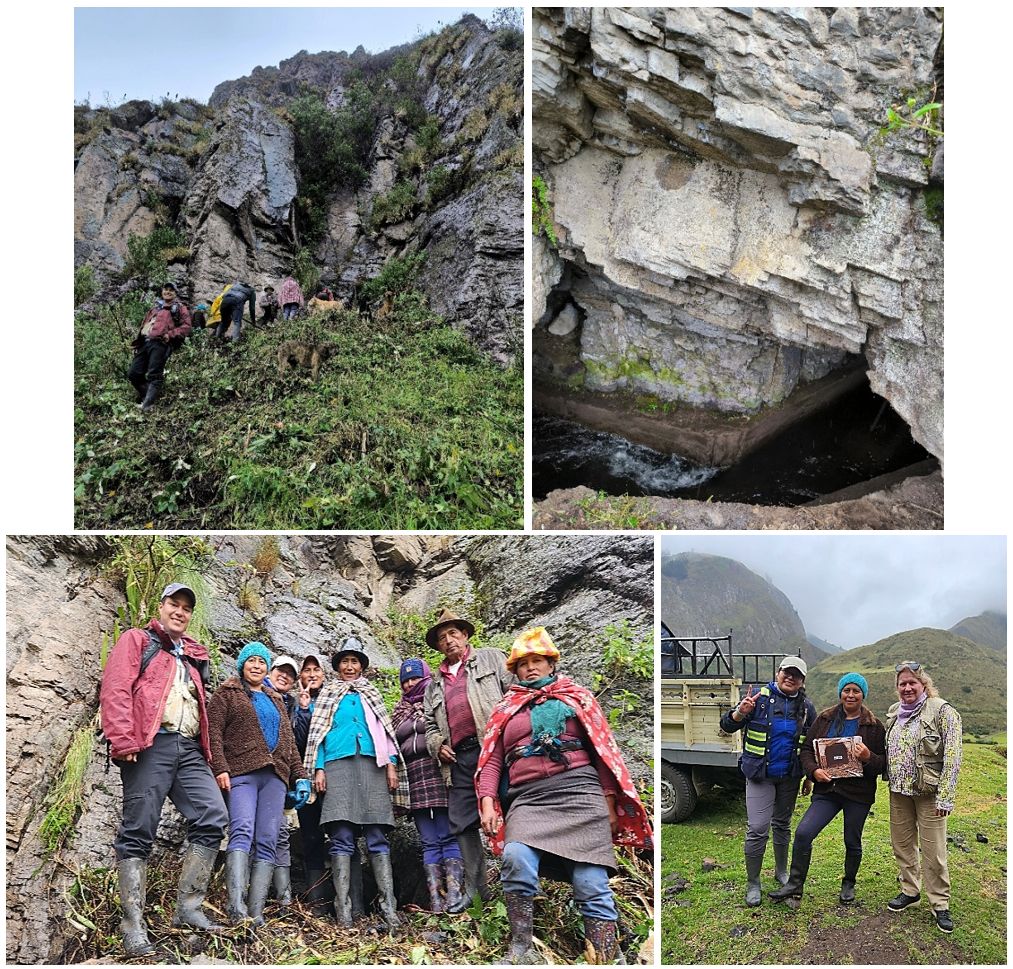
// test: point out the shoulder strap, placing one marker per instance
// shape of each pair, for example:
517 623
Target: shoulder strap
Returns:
154 645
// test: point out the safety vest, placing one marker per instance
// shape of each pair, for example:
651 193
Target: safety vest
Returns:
756 733
931 746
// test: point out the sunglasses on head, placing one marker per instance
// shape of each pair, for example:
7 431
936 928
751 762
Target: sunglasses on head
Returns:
907 666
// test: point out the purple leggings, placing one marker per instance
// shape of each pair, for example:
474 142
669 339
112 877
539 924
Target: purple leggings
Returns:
438 843
256 803
343 834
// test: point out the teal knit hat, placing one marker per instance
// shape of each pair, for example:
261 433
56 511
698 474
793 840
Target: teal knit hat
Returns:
253 649
856 678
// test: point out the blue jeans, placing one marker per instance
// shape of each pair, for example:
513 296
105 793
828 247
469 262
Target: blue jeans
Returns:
256 803
343 833
289 310
434 830
519 875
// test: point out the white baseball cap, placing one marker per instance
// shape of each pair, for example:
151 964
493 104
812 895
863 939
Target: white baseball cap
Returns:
794 663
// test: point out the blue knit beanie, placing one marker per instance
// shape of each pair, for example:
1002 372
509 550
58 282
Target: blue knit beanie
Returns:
412 668
856 678
253 649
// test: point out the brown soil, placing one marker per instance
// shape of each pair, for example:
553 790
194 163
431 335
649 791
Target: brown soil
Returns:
885 939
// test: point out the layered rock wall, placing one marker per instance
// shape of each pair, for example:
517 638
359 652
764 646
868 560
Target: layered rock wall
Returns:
731 222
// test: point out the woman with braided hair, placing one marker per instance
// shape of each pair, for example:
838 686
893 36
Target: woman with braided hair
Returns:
550 764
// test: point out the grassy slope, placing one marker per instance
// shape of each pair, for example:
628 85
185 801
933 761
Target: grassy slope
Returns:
234 444
709 923
970 676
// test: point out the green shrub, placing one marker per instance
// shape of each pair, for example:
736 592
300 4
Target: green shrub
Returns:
474 126
85 285
148 256
306 271
397 276
395 206
541 210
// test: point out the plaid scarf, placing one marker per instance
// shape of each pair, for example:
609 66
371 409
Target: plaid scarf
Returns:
327 702
634 825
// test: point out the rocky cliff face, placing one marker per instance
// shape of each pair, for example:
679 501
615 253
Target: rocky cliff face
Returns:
731 225
59 603
226 177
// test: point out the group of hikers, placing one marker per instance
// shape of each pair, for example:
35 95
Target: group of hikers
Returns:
485 743
169 322
918 750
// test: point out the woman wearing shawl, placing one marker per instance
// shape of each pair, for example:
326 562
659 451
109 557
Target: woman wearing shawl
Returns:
441 856
566 793
353 755
923 753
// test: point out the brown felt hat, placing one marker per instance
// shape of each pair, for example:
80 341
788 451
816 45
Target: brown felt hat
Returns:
447 618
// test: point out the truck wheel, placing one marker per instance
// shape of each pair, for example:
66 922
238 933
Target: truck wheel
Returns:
678 796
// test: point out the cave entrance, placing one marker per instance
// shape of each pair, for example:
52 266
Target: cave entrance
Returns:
856 440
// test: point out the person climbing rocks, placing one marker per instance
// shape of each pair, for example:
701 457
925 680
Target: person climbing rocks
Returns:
233 303
163 328
324 292
269 305
291 298
154 716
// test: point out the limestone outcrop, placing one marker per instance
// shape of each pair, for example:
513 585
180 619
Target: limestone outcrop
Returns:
731 221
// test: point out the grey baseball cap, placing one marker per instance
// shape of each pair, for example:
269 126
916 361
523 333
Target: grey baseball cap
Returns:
796 663
174 587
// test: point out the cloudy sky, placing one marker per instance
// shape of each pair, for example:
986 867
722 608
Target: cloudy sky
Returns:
852 590
185 51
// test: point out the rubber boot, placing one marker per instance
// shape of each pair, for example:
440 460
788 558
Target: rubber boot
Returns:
355 887
140 388
385 885
521 916
283 884
473 856
341 871
754 894
781 864
600 942
193 886
434 882
800 858
852 862
237 880
133 874
150 396
261 876
454 870
318 888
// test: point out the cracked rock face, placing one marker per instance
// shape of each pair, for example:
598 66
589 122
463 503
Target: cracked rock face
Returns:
731 222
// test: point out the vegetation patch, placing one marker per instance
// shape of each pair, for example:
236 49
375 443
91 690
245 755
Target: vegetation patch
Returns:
541 211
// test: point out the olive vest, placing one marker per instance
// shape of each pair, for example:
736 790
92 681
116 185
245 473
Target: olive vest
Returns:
930 747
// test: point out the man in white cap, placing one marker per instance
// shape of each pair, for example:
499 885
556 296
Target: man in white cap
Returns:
154 716
774 720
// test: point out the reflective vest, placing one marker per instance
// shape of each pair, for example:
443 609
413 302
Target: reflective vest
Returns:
756 732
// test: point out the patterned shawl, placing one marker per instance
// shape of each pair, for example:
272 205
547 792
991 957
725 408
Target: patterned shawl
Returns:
323 715
634 825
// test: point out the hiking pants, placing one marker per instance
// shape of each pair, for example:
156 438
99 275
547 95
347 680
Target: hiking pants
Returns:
591 892
769 805
462 802
824 808
232 313
434 830
914 826
256 806
282 854
174 767
148 365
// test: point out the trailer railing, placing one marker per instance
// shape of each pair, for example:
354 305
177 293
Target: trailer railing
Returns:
714 656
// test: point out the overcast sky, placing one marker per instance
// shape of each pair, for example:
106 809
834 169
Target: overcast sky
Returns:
122 53
852 590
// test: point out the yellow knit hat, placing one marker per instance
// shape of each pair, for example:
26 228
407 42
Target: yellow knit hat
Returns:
532 642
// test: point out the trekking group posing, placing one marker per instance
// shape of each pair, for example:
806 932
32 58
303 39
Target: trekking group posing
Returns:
169 322
486 742
918 751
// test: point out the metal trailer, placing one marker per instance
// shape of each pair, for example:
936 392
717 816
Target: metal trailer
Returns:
701 679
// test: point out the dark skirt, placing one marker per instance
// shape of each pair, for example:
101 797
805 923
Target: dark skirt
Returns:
357 792
564 815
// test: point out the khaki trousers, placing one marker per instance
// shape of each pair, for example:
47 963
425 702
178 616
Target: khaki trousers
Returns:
913 825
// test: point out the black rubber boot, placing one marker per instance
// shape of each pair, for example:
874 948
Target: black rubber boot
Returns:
454 869
434 882
193 886
852 862
521 916
237 880
150 396
781 864
282 881
754 894
473 856
385 885
261 876
318 889
800 859
355 887
600 941
341 871
133 874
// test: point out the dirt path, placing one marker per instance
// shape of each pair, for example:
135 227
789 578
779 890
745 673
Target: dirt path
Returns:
884 939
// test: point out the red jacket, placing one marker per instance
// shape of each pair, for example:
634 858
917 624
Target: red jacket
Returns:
165 325
131 707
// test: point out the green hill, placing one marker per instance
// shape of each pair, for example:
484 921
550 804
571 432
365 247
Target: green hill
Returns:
704 920
970 676
987 629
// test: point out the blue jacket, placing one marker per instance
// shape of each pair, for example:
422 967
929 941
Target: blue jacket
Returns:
771 705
